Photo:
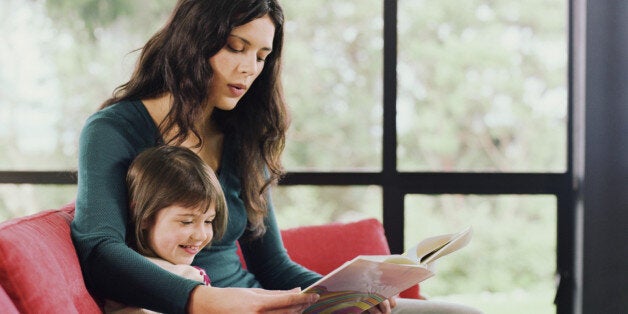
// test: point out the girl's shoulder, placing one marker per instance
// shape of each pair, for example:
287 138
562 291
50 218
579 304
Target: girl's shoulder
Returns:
186 271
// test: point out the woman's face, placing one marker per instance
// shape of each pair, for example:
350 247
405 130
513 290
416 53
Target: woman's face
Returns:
179 233
240 61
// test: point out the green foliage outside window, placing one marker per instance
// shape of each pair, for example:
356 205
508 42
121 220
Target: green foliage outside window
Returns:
481 87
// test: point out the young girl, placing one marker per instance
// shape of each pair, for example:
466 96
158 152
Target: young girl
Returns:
176 208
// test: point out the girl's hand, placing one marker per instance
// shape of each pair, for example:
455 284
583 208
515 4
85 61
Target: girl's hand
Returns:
205 299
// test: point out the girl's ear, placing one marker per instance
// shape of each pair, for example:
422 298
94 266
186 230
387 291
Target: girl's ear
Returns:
146 223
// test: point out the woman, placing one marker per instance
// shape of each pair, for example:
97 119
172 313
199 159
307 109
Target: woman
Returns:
209 80
210 56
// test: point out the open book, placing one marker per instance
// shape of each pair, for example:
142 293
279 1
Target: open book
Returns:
367 280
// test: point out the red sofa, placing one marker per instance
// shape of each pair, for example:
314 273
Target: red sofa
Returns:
40 273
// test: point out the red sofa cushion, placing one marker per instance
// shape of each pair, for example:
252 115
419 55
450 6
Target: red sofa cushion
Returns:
323 248
39 268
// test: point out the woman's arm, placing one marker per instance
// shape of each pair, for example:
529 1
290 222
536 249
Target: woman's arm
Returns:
267 258
206 299
111 269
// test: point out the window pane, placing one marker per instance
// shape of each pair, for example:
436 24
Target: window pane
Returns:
482 85
17 200
314 205
332 79
509 265
58 62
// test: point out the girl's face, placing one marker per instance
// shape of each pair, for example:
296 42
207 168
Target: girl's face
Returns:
240 61
179 233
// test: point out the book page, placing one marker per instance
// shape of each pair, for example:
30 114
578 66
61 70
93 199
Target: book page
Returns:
394 259
436 247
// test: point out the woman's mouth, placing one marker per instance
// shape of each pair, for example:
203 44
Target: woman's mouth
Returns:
237 90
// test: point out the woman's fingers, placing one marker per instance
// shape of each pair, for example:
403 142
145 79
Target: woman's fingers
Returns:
393 302
384 307
291 301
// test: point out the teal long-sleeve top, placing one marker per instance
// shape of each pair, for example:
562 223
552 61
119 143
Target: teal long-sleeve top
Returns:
109 141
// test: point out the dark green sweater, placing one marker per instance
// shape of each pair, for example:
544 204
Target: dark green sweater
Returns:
110 139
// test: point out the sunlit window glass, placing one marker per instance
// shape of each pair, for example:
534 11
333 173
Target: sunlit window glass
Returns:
333 83
18 200
315 205
509 265
482 86
59 61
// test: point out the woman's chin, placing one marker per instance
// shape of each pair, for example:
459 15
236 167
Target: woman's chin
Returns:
228 104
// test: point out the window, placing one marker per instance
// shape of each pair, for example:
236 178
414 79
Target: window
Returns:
402 110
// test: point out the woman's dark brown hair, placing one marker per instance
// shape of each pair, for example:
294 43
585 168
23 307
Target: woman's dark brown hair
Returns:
176 61
164 176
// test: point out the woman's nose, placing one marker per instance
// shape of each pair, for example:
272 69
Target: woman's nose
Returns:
248 64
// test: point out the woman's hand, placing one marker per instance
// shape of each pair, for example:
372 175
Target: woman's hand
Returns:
384 307
205 299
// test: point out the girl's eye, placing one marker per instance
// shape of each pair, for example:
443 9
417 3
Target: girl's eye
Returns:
261 59
186 222
209 222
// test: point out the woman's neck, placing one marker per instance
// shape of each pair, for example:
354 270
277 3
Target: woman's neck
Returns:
160 106
210 151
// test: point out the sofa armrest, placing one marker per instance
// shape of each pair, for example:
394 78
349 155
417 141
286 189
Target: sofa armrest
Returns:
39 268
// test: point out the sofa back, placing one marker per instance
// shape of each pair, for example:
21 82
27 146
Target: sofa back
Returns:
40 272
39 268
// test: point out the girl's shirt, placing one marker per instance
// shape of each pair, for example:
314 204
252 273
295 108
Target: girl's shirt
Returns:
110 140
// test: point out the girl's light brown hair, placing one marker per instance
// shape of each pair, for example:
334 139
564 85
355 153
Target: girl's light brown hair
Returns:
164 176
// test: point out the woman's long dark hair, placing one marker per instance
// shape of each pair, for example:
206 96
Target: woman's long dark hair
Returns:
176 61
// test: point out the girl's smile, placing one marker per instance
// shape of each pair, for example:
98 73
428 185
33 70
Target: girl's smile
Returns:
179 233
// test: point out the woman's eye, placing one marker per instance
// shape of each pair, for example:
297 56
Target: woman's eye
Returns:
209 222
186 222
234 49
261 59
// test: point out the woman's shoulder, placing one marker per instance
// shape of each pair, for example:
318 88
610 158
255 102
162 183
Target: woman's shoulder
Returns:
124 115
126 110
126 121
